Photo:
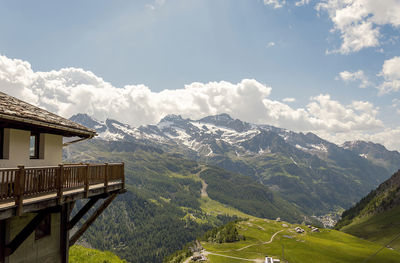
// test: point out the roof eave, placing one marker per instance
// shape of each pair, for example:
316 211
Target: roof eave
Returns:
72 131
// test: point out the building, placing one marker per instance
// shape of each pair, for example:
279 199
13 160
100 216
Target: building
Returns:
271 260
38 192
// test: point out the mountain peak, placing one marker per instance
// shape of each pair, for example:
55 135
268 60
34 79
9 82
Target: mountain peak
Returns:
221 117
86 120
225 120
171 118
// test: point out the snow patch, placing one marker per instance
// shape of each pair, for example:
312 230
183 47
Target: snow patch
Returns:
319 147
107 135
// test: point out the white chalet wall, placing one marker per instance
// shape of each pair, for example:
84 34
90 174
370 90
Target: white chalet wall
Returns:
16 149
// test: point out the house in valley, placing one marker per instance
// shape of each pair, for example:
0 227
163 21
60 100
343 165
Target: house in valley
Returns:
38 191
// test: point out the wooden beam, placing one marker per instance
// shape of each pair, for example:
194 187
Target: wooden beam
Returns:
25 233
82 212
60 183
64 233
19 189
91 219
87 181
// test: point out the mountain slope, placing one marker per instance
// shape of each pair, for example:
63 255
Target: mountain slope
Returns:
376 217
163 208
314 174
376 153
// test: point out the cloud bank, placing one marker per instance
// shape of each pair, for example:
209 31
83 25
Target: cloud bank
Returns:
73 90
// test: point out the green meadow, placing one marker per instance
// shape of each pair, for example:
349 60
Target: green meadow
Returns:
79 254
325 246
380 228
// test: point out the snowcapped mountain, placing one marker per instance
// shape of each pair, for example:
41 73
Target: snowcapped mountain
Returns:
314 174
209 136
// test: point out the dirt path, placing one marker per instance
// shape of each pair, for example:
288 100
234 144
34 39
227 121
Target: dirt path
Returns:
242 248
204 185
267 242
215 254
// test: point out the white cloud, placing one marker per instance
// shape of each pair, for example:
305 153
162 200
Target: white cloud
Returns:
289 100
271 44
391 75
156 4
347 76
359 22
72 90
302 2
275 3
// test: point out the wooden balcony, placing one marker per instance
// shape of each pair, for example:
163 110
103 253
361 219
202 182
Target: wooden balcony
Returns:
30 189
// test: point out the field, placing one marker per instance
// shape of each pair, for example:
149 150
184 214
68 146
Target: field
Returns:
266 237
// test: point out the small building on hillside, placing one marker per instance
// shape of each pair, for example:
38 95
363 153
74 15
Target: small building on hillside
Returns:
271 260
38 191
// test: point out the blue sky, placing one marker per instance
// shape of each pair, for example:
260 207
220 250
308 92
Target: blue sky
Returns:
167 44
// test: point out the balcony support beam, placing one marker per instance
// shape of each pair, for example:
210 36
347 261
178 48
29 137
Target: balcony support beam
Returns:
92 201
91 219
64 232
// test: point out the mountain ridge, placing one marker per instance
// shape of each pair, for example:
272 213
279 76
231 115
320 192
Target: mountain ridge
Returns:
313 173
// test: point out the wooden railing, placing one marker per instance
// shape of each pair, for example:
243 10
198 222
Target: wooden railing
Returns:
25 182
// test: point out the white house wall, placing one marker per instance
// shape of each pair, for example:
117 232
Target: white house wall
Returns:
16 149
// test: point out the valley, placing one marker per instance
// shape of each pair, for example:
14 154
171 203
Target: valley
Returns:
178 190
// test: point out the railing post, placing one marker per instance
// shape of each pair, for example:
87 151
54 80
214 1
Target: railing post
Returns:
106 177
123 175
60 182
87 180
19 189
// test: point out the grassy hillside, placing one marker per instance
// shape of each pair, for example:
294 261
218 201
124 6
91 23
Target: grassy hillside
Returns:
79 254
265 237
376 217
380 228
164 207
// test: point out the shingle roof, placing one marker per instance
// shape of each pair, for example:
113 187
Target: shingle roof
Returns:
16 110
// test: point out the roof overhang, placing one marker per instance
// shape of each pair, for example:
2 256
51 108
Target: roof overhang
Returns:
16 122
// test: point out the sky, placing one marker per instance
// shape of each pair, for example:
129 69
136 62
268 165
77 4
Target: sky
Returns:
331 67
